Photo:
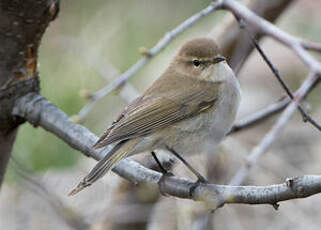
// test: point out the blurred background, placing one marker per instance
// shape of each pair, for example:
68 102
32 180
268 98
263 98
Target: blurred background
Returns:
87 47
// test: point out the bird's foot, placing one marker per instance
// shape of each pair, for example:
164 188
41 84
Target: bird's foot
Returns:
161 182
201 180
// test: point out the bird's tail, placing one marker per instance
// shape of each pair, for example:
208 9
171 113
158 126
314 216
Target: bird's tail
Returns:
104 165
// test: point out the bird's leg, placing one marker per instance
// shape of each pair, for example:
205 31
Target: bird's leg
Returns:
200 178
164 172
162 169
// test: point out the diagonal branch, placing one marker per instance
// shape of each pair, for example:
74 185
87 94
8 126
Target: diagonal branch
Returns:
265 27
147 57
227 45
38 111
270 137
306 117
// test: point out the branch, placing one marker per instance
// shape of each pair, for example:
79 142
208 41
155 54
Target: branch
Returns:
260 116
21 28
233 43
118 82
227 45
270 137
267 28
38 111
276 73
103 67
297 45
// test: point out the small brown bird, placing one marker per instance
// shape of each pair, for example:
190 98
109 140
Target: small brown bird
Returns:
187 110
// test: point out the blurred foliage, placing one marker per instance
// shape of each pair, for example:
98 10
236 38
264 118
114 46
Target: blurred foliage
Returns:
112 31
116 29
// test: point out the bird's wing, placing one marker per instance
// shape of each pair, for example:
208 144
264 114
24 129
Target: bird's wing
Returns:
145 115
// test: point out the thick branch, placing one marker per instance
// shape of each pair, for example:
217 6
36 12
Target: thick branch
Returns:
38 111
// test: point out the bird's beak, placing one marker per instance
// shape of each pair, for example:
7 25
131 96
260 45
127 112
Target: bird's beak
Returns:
218 59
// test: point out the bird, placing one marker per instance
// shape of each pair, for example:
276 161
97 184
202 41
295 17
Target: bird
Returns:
187 110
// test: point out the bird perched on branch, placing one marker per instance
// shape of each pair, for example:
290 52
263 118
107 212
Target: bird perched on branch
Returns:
187 110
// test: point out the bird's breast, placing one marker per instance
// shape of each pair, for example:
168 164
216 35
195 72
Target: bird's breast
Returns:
203 132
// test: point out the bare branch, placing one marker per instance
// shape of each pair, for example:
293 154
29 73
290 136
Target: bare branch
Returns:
267 28
306 117
104 68
118 82
266 142
38 111
227 44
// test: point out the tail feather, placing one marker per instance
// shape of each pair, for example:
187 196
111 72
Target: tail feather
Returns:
102 167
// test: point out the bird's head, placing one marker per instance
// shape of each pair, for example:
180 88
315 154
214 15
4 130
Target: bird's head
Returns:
198 57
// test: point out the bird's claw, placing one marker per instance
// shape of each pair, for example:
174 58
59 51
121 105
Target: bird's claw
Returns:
162 181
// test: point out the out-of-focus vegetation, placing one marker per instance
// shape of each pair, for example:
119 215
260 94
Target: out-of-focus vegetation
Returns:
113 32
110 30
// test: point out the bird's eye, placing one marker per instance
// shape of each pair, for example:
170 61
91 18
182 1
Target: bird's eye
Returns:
196 62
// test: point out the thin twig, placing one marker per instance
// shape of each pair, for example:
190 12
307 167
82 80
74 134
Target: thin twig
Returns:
266 142
259 116
122 79
104 68
306 117
37 110
309 45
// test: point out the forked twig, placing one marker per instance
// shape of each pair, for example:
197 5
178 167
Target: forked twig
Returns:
306 117
266 142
